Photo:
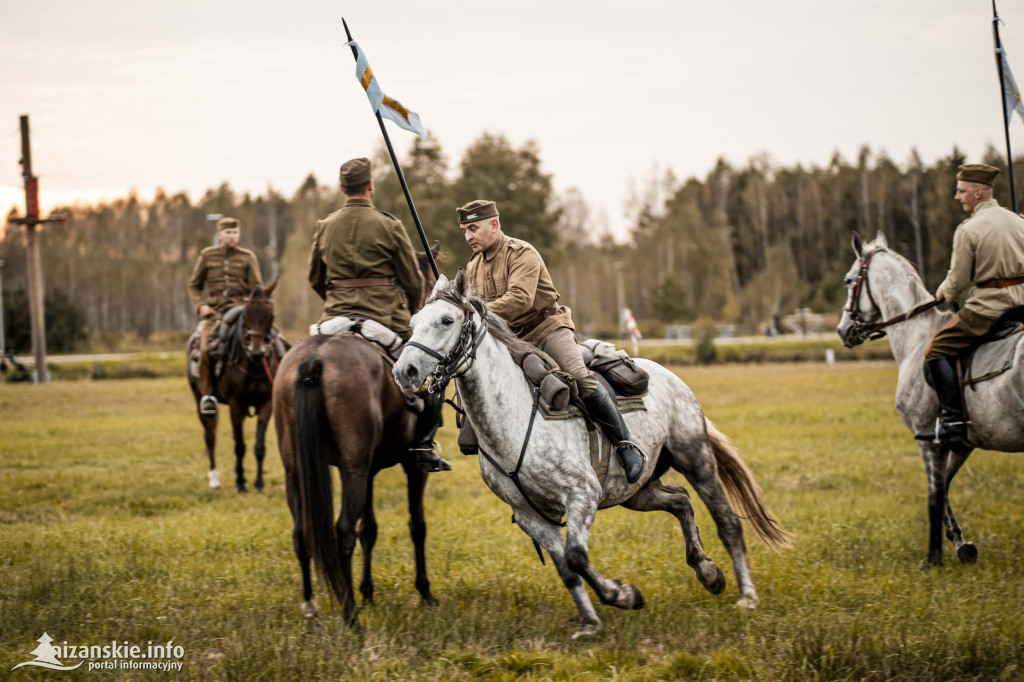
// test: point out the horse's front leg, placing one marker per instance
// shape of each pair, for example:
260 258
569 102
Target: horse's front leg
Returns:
550 538
237 421
209 422
260 448
416 483
934 465
965 551
580 509
655 496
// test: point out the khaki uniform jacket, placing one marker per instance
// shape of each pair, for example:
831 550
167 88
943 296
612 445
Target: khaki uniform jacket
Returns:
359 241
988 245
218 275
512 279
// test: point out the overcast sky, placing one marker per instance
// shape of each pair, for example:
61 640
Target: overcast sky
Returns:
185 95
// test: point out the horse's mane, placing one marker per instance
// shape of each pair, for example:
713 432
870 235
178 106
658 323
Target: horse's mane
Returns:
496 326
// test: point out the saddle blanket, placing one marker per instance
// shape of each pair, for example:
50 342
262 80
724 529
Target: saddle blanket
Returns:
994 358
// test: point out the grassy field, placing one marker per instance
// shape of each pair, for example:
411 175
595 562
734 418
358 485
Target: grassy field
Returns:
108 532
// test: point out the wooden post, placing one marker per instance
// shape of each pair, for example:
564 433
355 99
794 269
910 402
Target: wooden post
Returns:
35 275
37 315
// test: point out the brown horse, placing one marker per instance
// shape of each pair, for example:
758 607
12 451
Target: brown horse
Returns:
336 404
246 385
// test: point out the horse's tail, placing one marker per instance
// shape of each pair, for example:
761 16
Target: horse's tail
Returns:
743 491
313 441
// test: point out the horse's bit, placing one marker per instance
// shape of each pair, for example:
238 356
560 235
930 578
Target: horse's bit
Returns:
863 330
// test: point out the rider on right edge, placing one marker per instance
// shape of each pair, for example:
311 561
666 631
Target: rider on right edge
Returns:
988 249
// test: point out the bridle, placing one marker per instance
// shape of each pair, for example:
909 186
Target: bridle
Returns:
862 330
460 358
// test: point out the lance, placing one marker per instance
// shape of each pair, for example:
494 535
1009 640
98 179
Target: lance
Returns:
1000 58
398 171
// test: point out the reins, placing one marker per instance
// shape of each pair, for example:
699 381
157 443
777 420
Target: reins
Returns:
874 330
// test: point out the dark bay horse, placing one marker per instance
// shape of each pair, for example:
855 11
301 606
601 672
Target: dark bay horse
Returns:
246 385
336 404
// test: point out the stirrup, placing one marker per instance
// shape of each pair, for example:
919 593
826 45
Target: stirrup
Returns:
429 460
208 405
643 455
933 436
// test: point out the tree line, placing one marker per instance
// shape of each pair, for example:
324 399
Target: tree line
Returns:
744 244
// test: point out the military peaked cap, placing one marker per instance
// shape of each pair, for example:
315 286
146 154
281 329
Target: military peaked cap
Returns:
981 173
478 209
355 172
227 224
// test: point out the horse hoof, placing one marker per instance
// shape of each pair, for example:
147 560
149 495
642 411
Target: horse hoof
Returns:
309 609
967 553
587 633
747 603
629 597
214 479
717 585
429 600
242 490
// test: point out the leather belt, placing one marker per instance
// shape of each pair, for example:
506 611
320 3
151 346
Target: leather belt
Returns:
361 282
1001 283
533 323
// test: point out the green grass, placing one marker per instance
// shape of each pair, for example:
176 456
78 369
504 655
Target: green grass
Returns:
108 531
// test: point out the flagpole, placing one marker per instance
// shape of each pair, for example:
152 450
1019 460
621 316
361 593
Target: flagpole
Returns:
1000 56
401 177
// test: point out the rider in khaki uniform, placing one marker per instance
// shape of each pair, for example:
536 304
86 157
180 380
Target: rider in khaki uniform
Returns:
512 279
214 288
362 265
988 249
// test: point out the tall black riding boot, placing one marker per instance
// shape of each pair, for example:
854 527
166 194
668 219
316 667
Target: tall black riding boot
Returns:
423 438
951 428
605 412
207 403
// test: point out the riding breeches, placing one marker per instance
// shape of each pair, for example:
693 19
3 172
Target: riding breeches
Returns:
959 335
206 326
562 347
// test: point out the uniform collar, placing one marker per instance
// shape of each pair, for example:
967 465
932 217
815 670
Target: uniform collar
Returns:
229 250
988 203
490 253
358 202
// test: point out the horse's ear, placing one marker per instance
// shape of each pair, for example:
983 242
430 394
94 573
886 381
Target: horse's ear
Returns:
462 283
858 244
881 240
435 249
439 285
269 289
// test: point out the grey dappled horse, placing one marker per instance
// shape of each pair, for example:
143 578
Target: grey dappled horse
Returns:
885 291
557 474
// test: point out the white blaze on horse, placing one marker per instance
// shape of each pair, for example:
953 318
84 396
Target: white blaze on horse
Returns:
885 292
556 475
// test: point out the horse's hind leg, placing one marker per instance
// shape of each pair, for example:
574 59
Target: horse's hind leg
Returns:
416 484
702 473
549 537
965 551
237 421
354 486
367 539
656 496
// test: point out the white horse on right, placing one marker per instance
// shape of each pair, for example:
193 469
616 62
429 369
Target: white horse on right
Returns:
886 292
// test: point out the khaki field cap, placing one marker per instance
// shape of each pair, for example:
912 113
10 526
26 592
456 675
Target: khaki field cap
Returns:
478 209
227 224
355 172
978 172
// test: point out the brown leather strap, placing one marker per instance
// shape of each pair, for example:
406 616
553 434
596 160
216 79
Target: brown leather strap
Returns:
360 282
1001 283
532 324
